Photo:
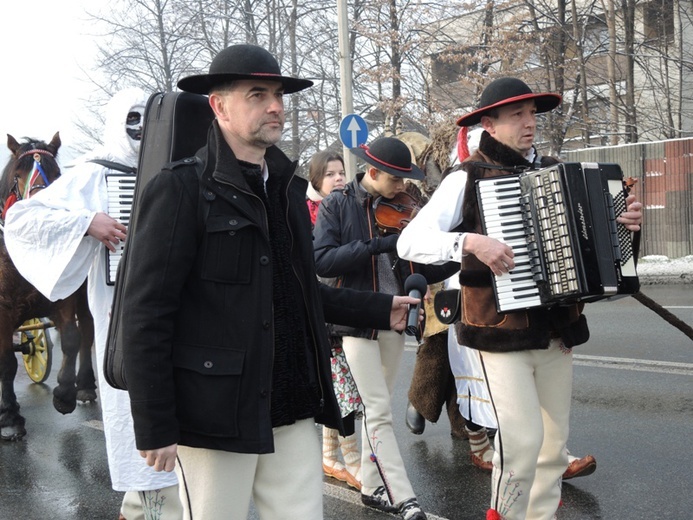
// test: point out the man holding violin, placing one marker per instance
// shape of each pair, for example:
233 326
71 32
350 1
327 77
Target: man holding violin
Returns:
355 242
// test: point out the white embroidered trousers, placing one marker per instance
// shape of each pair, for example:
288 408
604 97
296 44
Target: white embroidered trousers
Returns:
374 365
531 393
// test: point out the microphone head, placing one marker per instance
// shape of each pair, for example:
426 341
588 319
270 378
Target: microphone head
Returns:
415 282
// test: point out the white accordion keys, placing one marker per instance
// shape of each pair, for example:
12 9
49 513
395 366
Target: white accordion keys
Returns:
121 190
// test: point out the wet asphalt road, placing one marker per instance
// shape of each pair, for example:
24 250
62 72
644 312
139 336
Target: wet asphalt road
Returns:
632 409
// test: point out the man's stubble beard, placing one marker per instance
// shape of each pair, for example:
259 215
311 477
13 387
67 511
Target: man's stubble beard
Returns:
266 137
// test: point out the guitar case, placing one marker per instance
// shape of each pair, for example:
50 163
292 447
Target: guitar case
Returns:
175 127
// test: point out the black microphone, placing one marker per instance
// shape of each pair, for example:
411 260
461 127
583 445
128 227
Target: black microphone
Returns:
415 286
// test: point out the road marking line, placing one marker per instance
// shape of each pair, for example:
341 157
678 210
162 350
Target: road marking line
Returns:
639 365
642 365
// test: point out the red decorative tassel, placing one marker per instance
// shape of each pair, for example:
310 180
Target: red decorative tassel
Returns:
492 514
462 146
11 199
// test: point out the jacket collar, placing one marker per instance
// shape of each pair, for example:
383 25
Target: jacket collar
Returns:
222 163
355 188
500 153
312 194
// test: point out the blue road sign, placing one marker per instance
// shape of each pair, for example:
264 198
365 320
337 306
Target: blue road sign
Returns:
353 131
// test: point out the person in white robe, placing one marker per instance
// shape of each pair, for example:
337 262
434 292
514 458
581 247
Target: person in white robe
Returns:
472 392
69 224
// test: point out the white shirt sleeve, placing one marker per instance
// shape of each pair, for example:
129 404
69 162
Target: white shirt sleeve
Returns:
428 238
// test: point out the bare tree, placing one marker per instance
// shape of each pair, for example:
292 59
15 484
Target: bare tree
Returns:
147 45
610 11
631 122
578 35
419 63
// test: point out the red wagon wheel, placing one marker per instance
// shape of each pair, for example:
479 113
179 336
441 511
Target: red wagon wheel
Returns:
36 348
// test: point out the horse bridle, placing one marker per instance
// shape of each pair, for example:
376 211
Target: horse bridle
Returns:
31 179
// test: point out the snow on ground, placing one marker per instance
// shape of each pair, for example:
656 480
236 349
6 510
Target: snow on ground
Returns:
657 269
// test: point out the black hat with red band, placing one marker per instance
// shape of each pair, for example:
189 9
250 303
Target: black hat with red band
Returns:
390 155
241 62
505 91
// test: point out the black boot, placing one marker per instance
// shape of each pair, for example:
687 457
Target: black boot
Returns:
415 421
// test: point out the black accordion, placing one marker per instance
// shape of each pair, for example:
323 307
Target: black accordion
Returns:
561 224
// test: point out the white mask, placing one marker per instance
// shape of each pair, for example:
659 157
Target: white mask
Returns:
133 125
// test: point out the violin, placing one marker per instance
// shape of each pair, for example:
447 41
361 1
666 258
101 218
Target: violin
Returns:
392 215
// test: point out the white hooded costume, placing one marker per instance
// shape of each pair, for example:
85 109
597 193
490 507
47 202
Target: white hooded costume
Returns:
53 224
473 396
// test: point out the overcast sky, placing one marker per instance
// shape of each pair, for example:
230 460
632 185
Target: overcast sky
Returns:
42 51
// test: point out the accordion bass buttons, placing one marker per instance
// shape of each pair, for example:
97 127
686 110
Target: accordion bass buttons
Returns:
613 228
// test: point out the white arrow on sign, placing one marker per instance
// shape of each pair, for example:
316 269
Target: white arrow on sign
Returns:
354 128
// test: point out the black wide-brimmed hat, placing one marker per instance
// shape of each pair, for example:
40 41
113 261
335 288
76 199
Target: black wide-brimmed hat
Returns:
505 91
391 156
241 62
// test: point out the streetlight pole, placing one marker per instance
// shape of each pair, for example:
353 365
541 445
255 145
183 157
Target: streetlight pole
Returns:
345 80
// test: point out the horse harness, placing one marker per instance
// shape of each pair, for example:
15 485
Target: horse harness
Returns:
30 186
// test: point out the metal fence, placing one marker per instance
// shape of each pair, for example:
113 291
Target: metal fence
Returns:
664 171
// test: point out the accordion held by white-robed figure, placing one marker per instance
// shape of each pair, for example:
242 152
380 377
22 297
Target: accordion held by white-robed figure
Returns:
121 190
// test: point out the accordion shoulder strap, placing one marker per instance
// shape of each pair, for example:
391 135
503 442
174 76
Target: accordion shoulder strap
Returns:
115 166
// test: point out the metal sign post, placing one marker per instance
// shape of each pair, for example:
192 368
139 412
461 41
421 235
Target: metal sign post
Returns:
345 81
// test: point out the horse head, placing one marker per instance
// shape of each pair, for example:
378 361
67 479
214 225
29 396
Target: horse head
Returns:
32 166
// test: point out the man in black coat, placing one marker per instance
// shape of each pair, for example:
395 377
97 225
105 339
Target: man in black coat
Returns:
227 359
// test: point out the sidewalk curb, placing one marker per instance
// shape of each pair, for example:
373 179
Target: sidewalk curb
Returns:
666 279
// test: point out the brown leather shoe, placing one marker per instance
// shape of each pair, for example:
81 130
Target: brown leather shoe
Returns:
580 467
479 446
351 480
481 463
343 475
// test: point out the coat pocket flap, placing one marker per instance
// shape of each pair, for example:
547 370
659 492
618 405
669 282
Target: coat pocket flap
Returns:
220 223
211 361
